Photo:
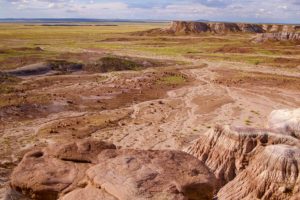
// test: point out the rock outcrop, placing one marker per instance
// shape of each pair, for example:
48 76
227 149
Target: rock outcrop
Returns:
190 28
286 121
182 27
272 174
97 170
46 173
279 36
251 163
251 28
280 28
234 163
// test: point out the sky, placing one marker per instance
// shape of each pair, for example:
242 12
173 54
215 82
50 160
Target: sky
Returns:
273 11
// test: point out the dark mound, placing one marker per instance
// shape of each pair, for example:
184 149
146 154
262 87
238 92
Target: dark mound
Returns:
60 66
65 66
113 63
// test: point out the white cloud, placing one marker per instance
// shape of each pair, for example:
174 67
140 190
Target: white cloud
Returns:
230 10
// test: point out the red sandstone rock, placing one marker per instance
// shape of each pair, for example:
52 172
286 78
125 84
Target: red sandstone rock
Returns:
93 170
46 173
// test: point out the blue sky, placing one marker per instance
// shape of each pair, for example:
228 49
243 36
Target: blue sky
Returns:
286 11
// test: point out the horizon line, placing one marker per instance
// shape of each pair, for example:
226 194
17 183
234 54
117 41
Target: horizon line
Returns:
135 20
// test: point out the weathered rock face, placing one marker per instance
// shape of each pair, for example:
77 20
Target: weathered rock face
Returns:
135 174
286 121
272 174
182 27
190 28
179 27
227 151
224 27
251 28
280 28
251 163
279 36
46 173
97 170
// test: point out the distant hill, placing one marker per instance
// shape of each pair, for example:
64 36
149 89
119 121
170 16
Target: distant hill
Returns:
72 20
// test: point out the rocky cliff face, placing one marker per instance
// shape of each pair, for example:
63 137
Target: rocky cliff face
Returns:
182 27
272 174
186 27
280 36
280 28
254 163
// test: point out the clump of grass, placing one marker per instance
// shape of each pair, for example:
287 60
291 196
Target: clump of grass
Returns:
172 80
6 83
248 122
4 89
111 63
257 62
100 79
6 78
255 112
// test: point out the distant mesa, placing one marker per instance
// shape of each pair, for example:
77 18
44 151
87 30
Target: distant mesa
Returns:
192 28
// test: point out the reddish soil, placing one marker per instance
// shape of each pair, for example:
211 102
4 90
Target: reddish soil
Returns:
254 79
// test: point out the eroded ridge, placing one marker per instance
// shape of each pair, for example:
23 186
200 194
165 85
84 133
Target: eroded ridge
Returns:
253 163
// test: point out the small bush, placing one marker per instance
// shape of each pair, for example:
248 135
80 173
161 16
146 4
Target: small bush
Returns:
172 80
110 64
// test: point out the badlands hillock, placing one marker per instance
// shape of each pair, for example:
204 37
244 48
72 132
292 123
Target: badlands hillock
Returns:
254 163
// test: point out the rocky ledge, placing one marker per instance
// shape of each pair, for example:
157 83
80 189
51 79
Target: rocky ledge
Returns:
92 170
280 36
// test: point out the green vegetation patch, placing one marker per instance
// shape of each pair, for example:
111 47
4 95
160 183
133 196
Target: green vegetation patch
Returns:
111 63
6 83
175 79
6 78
